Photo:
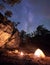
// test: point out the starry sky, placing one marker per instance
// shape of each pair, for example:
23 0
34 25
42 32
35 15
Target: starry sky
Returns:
30 14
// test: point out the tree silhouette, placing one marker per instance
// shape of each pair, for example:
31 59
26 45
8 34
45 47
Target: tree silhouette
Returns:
41 30
2 6
23 34
8 13
11 2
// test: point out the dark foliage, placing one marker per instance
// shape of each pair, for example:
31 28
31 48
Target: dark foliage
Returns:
8 13
39 39
11 2
2 7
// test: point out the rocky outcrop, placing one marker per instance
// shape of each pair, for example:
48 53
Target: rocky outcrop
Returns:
14 41
9 35
3 37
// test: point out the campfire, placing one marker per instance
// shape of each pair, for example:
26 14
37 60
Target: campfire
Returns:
21 53
37 54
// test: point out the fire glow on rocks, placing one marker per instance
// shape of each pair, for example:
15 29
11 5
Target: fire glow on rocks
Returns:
9 35
38 56
3 37
38 53
21 53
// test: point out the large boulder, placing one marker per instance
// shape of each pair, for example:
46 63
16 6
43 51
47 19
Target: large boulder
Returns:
9 35
3 37
14 41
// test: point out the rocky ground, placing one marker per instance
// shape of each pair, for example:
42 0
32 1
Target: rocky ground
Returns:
14 59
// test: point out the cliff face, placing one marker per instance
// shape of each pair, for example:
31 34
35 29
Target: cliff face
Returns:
14 41
9 35
3 37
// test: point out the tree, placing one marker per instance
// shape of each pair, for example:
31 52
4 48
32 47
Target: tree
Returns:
11 2
23 34
2 7
41 30
8 13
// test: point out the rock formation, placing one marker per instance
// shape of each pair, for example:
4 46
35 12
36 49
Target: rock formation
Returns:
9 35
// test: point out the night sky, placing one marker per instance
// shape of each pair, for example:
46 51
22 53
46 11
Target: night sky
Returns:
30 13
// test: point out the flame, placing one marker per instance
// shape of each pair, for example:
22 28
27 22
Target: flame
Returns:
39 53
21 53
9 52
16 51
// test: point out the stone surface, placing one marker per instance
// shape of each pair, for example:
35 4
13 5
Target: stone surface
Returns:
3 37
9 35
14 41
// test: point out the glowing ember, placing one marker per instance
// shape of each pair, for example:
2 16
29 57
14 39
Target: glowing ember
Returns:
39 53
16 51
9 52
21 53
